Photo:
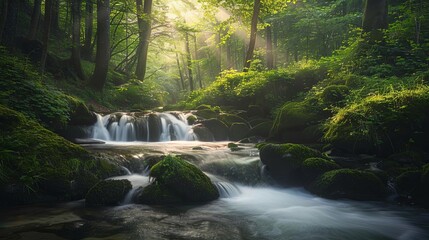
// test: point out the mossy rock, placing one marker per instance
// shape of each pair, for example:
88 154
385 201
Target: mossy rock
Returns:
203 133
312 168
36 158
238 131
284 161
334 93
80 114
218 128
177 177
351 184
230 119
295 116
383 123
262 130
108 192
191 119
203 107
206 113
84 181
157 194
408 183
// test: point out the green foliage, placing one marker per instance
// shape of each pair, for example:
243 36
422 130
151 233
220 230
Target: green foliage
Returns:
23 90
334 94
137 95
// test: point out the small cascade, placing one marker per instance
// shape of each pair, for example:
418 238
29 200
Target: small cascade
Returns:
227 189
126 170
137 181
151 127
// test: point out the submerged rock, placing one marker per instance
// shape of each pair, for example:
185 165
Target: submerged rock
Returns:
176 180
108 192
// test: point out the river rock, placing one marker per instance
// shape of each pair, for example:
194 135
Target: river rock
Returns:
351 184
284 161
108 192
218 128
176 180
238 131
203 133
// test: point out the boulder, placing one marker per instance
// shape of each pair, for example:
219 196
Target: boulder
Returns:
261 130
178 181
218 128
312 168
351 184
203 133
80 114
284 161
155 127
108 192
238 131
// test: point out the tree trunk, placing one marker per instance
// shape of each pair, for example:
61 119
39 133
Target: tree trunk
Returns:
180 71
189 63
275 44
197 65
145 28
3 18
270 57
55 22
102 57
75 57
46 32
219 53
253 33
9 30
375 18
35 16
89 19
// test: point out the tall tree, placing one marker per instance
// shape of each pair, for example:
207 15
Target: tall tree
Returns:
55 22
5 7
270 54
145 28
46 33
89 18
102 57
10 25
35 17
253 33
189 62
75 56
375 18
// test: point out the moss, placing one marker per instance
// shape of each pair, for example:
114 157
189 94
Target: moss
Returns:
206 113
191 119
238 131
157 194
312 168
284 161
349 183
79 113
232 145
184 179
382 123
108 192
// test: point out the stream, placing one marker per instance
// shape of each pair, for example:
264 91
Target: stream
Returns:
254 210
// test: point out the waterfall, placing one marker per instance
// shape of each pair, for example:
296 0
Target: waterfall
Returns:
128 127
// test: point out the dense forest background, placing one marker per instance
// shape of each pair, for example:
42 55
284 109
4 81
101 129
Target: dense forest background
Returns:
313 67
349 75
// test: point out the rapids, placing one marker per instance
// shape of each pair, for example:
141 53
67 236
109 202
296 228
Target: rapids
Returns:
250 206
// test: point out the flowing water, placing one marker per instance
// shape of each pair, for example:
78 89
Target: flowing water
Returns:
249 208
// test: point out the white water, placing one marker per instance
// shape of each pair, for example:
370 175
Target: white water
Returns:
124 129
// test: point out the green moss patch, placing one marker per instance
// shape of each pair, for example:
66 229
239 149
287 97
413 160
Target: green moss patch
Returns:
174 177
